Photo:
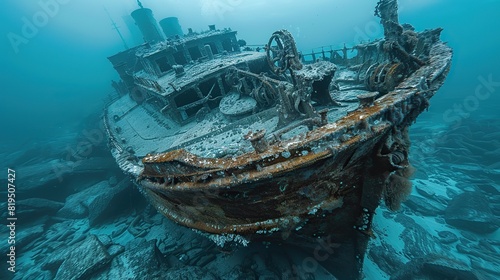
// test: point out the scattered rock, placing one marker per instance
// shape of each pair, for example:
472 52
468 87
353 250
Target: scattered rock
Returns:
100 204
240 272
472 249
425 206
268 275
206 259
440 220
386 258
487 269
469 236
118 231
281 264
168 246
418 242
95 202
495 204
94 165
115 250
190 272
33 208
483 256
74 207
38 175
23 237
434 267
471 211
105 240
143 261
138 227
38 274
489 188
53 261
79 236
447 237
420 173
423 189
451 192
486 245
193 255
134 243
428 191
61 233
112 180
444 268
84 260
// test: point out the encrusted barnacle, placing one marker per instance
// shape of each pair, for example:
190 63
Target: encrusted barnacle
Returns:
130 150
322 167
363 124
259 142
344 137
367 99
397 157
324 116
398 188
395 115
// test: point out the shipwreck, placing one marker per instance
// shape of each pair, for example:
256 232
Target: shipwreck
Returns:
246 145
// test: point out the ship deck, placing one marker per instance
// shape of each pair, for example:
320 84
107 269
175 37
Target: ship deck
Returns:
197 71
144 130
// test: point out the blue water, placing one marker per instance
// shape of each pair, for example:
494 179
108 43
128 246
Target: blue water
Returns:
55 77
61 75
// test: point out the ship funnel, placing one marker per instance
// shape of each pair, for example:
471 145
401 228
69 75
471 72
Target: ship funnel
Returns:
171 27
147 24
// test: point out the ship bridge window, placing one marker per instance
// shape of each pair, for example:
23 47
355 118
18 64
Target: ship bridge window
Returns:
186 98
227 45
195 53
163 64
187 103
211 87
180 58
213 47
191 112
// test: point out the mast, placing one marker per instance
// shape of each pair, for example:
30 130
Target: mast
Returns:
399 43
115 27
387 10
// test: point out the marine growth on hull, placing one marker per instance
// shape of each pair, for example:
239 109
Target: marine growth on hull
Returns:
272 143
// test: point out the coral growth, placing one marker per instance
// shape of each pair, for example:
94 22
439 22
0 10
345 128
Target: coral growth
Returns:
398 188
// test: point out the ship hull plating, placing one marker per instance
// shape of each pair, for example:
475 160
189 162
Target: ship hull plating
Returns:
250 146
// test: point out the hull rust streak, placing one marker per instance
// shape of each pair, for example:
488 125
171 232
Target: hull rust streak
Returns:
278 146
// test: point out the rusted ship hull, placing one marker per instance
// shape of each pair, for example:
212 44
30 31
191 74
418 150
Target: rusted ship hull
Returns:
324 186
318 175
314 203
